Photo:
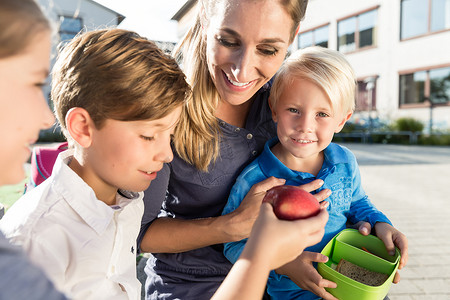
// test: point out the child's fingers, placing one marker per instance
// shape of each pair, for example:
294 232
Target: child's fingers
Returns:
312 186
309 257
388 243
402 244
396 278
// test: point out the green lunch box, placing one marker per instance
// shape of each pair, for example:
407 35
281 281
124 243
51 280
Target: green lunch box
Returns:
348 245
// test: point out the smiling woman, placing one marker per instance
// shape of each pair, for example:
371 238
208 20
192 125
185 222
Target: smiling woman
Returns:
229 56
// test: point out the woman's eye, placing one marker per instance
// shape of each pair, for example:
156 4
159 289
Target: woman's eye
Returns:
268 51
147 138
227 43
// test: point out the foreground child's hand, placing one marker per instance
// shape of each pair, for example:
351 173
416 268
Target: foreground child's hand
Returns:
302 272
272 243
393 238
296 235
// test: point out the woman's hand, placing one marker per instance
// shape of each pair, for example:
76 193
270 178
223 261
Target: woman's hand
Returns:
302 272
241 220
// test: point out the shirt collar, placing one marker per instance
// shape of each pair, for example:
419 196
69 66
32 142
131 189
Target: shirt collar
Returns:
272 166
81 197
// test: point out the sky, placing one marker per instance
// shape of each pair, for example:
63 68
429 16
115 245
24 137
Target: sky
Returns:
150 18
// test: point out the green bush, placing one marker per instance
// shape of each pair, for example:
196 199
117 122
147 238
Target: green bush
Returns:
408 124
438 139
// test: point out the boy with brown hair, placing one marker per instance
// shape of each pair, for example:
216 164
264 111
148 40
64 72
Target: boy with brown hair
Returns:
118 99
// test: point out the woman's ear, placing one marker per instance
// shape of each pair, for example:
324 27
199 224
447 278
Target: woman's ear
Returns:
80 126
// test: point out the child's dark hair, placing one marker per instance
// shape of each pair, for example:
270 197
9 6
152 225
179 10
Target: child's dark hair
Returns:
116 74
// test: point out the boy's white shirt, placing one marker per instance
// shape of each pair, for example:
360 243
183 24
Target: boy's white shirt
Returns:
87 248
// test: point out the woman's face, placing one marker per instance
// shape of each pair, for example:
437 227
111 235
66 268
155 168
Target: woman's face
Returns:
23 108
247 41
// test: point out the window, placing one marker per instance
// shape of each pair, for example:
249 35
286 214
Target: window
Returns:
417 87
419 17
440 85
68 28
315 37
366 95
357 32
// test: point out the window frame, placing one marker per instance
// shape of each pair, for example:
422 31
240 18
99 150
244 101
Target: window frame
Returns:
313 30
60 31
427 87
357 32
429 31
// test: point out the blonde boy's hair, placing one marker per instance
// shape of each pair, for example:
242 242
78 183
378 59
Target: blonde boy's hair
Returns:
326 68
198 136
20 22
116 74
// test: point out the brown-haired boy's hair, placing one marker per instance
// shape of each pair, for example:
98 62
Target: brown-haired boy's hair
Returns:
116 74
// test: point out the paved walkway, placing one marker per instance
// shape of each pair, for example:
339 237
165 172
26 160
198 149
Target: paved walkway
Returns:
411 184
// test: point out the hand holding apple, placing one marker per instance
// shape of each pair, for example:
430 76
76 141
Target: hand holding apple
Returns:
292 203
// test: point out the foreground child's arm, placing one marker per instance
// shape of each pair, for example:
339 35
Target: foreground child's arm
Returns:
272 243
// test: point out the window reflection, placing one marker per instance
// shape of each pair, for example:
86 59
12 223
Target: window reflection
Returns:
315 37
367 23
416 18
346 33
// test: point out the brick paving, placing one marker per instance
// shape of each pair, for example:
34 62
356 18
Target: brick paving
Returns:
411 185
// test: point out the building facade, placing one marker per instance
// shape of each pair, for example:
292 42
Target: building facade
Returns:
69 17
400 50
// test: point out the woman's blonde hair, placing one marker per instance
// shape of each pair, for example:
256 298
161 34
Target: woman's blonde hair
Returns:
20 22
198 135
116 74
328 69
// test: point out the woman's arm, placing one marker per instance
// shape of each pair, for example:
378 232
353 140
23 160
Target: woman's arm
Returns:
268 249
169 235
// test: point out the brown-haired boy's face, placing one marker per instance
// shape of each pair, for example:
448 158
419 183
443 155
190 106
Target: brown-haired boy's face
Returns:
128 155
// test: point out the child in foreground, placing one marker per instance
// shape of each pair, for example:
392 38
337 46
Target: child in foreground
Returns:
25 35
311 99
118 99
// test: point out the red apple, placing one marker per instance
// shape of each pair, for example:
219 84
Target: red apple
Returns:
291 202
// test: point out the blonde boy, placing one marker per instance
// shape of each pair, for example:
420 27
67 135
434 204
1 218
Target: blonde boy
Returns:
311 99
118 99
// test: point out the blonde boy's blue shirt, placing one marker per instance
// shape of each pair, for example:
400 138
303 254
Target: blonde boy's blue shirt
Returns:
348 201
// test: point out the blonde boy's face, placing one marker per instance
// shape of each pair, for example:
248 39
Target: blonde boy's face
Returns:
128 155
306 121
23 108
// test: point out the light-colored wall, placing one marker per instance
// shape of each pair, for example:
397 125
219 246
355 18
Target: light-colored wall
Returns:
93 16
186 21
391 55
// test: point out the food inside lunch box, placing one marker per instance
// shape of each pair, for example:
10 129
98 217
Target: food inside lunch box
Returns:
361 274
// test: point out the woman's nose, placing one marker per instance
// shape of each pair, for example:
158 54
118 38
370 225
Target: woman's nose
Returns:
244 65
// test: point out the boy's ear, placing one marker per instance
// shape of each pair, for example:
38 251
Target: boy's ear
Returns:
79 125
272 109
342 123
